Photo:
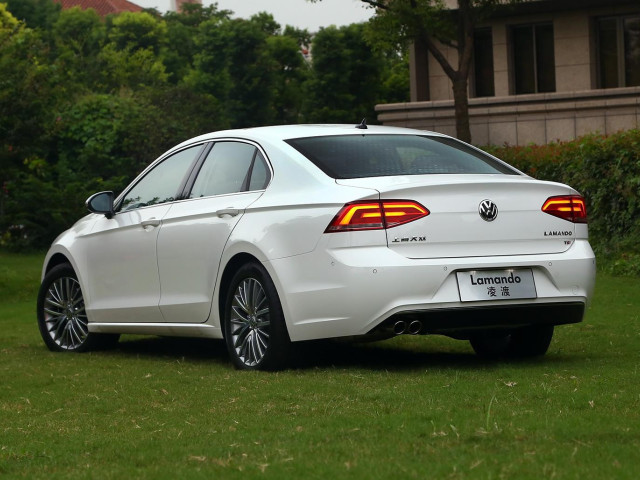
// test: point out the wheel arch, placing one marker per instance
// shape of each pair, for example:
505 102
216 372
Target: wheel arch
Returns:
270 349
60 255
55 260
230 269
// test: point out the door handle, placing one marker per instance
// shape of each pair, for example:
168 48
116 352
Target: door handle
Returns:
232 212
152 222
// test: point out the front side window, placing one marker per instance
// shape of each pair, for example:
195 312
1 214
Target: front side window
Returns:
359 156
533 59
231 167
618 41
161 184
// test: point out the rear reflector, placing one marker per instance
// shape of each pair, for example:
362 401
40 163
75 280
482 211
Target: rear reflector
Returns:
374 215
567 207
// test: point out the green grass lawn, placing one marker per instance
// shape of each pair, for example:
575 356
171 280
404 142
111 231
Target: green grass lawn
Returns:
411 407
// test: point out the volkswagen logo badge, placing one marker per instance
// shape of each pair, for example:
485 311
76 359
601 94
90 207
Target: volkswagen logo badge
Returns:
488 210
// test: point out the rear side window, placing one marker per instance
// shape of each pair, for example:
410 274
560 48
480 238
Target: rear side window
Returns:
358 156
259 173
231 167
225 169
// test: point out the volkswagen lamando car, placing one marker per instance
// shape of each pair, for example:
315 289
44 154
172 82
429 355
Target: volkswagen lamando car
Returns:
272 235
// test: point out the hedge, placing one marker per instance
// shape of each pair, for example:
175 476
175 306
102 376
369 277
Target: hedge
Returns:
606 170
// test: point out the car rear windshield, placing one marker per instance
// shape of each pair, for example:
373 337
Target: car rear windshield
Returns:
372 155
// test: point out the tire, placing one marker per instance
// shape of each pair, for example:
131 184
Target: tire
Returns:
491 344
253 323
62 319
530 341
526 342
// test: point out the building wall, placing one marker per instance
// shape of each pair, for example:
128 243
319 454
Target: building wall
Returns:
524 119
577 106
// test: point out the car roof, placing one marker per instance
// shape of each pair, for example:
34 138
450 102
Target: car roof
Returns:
286 132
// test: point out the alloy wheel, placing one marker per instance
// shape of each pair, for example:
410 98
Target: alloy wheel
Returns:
64 313
250 322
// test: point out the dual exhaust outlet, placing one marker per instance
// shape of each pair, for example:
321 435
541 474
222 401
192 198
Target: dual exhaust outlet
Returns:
412 328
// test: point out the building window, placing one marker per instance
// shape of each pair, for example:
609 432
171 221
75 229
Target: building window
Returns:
483 63
618 40
534 68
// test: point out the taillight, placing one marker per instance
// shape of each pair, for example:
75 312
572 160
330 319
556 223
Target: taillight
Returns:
399 212
374 215
567 207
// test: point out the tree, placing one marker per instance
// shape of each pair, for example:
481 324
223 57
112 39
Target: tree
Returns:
239 64
130 69
396 84
86 102
34 13
289 73
138 31
432 24
78 37
346 80
26 98
100 142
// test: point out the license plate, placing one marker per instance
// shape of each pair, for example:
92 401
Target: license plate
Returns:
495 285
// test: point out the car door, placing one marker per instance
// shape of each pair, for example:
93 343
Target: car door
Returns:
195 231
122 268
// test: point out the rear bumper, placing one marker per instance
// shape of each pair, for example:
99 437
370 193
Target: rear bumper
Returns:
352 291
462 322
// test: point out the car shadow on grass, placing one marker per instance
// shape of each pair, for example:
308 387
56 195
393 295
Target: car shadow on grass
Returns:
392 355
193 349
397 356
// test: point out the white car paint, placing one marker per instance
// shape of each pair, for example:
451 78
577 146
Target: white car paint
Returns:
158 269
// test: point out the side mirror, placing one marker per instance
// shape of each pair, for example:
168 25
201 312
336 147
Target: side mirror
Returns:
101 203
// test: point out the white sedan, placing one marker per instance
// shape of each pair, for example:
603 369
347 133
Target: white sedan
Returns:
273 235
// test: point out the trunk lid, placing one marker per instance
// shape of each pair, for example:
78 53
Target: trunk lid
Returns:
455 227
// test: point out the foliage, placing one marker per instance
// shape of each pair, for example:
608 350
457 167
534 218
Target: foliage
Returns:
130 68
606 170
55 192
395 83
182 30
347 76
290 72
25 90
86 102
137 31
78 37
35 13
410 407
26 98
254 72
103 136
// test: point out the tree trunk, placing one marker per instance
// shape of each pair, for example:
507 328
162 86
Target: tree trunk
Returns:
461 107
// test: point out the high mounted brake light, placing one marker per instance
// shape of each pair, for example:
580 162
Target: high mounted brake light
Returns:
374 215
567 207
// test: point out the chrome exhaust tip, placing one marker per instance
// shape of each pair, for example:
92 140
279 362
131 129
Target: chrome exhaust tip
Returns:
415 327
399 327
